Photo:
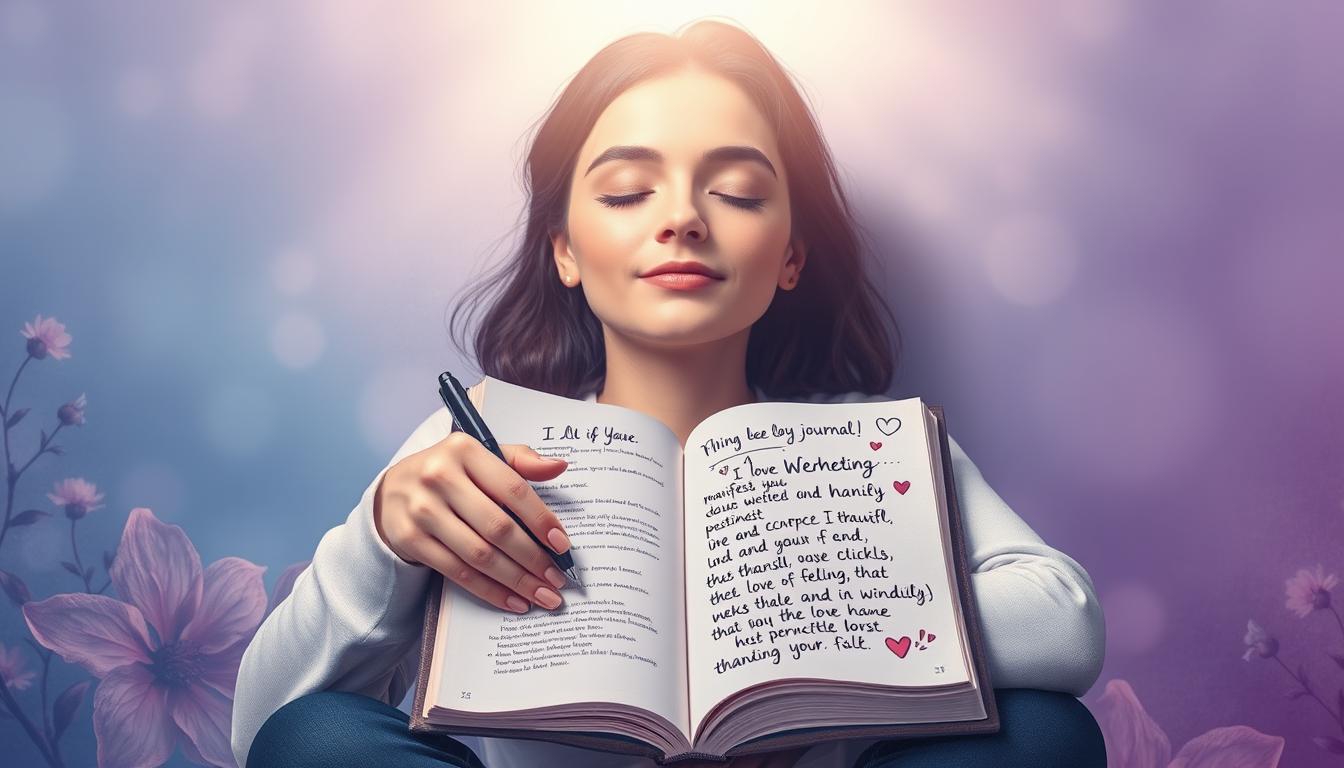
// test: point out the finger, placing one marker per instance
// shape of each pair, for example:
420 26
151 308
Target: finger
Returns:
501 482
493 563
495 526
433 553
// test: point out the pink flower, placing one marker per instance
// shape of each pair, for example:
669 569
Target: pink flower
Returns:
17 676
1309 591
77 495
174 686
46 337
1133 740
72 413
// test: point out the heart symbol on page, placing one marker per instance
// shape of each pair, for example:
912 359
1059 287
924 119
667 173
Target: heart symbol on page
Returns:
901 486
723 470
874 446
885 425
901 647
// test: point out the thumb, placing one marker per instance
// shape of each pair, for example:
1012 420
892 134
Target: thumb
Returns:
530 464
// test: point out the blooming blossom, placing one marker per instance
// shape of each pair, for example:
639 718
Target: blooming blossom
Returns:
172 686
45 337
12 668
1133 740
1258 642
77 496
1309 591
72 413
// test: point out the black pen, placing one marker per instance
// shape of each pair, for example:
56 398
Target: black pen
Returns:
466 416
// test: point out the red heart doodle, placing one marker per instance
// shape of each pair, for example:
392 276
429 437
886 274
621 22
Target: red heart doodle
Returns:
901 486
930 637
723 470
901 647
874 446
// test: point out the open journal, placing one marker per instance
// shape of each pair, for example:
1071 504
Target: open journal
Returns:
797 574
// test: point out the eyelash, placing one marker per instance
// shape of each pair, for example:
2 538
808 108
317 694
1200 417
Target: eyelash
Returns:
622 201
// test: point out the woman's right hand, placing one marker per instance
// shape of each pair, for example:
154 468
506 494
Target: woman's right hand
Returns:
438 507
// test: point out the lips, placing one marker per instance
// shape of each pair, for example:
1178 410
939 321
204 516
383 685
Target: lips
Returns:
683 267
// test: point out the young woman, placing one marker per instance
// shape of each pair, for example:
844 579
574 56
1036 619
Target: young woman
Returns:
693 155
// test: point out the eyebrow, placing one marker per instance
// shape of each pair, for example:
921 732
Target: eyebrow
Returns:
718 154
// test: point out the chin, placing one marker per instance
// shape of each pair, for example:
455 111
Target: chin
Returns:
683 334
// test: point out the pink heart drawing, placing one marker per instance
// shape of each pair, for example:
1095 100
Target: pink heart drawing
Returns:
901 647
723 470
874 446
901 486
930 637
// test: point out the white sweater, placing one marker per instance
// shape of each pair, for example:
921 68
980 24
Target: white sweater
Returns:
354 619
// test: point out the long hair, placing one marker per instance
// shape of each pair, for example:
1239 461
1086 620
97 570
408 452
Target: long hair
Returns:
827 335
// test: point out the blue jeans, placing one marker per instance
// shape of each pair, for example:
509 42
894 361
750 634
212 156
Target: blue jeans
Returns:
1040 729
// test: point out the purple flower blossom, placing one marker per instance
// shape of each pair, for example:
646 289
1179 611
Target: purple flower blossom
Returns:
17 675
77 496
172 686
72 413
1258 642
1309 591
1133 740
45 337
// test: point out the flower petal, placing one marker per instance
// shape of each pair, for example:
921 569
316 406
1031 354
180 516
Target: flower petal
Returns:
130 719
159 571
93 631
204 715
233 600
1132 738
220 670
1239 745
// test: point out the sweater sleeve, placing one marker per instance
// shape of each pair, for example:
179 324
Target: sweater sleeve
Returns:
1043 624
353 616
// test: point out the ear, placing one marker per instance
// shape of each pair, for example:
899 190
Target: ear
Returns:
565 263
795 258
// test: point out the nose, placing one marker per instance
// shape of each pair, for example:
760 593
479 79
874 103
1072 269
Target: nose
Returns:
684 223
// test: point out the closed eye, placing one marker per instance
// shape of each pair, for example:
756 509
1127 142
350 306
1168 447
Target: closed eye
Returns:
621 201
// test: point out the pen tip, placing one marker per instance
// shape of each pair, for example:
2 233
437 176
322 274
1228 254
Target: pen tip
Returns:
573 576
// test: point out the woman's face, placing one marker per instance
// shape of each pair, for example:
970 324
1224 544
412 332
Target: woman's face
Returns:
635 210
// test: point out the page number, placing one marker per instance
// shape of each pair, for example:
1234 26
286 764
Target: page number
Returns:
466 694
939 669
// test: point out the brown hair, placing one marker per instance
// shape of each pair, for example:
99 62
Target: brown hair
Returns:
825 336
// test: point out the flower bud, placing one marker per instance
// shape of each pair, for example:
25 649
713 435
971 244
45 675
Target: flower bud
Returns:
37 348
72 413
1267 648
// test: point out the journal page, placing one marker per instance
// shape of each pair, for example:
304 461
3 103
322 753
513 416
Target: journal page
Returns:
620 637
814 549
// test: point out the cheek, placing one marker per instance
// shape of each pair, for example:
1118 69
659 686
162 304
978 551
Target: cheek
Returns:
604 242
755 246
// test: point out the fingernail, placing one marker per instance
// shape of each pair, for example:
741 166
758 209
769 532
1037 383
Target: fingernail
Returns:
554 576
558 539
547 597
516 603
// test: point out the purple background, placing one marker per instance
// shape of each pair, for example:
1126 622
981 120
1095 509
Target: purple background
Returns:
1111 231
